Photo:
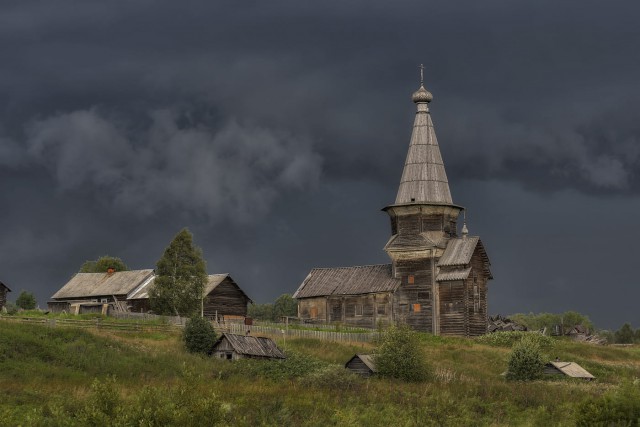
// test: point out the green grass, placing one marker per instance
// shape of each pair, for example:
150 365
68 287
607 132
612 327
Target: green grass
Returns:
67 376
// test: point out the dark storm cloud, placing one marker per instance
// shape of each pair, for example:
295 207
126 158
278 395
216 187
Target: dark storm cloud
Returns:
276 130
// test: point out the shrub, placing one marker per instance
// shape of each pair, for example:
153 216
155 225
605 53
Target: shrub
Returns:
525 362
334 377
399 355
509 338
615 408
26 301
296 365
199 336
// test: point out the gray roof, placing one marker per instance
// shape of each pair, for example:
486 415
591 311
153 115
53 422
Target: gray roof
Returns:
348 281
2 284
459 251
213 280
456 274
252 346
423 179
84 285
571 369
367 359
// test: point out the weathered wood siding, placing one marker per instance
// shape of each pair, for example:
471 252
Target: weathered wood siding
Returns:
225 299
359 367
367 310
224 350
59 305
452 308
413 302
3 296
476 298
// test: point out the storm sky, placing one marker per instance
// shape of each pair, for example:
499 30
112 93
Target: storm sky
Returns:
276 131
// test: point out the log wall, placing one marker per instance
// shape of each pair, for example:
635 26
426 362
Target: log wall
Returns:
413 302
3 296
225 299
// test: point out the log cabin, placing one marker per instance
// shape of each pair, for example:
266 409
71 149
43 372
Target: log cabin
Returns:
233 347
3 295
129 291
437 279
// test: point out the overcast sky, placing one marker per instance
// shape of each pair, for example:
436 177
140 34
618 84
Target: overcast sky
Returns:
276 131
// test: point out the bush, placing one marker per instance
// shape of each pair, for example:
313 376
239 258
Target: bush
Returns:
399 355
509 338
525 362
199 336
616 408
26 301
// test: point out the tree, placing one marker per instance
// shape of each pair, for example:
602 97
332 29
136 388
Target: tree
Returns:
285 305
199 336
625 334
525 362
180 278
399 356
103 264
26 301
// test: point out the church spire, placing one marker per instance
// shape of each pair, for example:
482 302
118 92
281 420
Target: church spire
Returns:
424 179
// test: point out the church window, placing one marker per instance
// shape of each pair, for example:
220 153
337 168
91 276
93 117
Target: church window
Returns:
411 279
424 295
415 308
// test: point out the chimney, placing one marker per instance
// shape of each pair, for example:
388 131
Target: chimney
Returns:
111 270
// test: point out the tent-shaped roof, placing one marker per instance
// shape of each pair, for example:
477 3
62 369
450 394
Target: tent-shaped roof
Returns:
570 369
424 179
252 346
367 359
84 285
348 281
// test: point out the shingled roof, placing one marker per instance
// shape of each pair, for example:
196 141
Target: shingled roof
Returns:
459 252
252 346
84 285
213 280
348 281
424 179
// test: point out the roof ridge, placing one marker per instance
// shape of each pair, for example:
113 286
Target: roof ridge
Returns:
351 266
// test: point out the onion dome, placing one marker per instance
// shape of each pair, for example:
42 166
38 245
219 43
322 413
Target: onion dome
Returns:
421 95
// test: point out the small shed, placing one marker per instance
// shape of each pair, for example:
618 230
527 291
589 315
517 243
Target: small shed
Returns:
233 346
362 364
3 295
570 369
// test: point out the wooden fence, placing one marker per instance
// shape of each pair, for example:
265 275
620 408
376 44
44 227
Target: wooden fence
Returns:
236 328
232 327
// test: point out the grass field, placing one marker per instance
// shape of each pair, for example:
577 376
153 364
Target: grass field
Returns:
66 377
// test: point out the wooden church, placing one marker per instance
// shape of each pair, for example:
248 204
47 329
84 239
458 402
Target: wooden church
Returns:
437 279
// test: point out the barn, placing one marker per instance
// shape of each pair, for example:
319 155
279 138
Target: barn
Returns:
129 291
4 289
233 346
437 280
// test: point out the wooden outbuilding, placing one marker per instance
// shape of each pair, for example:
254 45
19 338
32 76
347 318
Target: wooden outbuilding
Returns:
129 291
4 289
438 278
570 369
362 364
233 346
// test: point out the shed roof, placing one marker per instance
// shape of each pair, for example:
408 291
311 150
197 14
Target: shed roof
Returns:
348 281
456 274
571 369
99 284
2 284
252 346
367 359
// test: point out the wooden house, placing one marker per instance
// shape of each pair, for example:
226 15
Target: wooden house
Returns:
569 369
362 364
129 291
437 279
233 346
4 289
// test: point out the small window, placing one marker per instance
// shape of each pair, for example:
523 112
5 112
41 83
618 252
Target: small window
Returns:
411 279
103 300
416 308
382 308
359 309
229 356
424 295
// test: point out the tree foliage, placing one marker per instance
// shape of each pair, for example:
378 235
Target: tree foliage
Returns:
625 334
566 320
180 278
526 361
102 264
26 301
284 305
399 356
199 336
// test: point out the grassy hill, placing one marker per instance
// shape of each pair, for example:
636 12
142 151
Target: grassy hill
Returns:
65 377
